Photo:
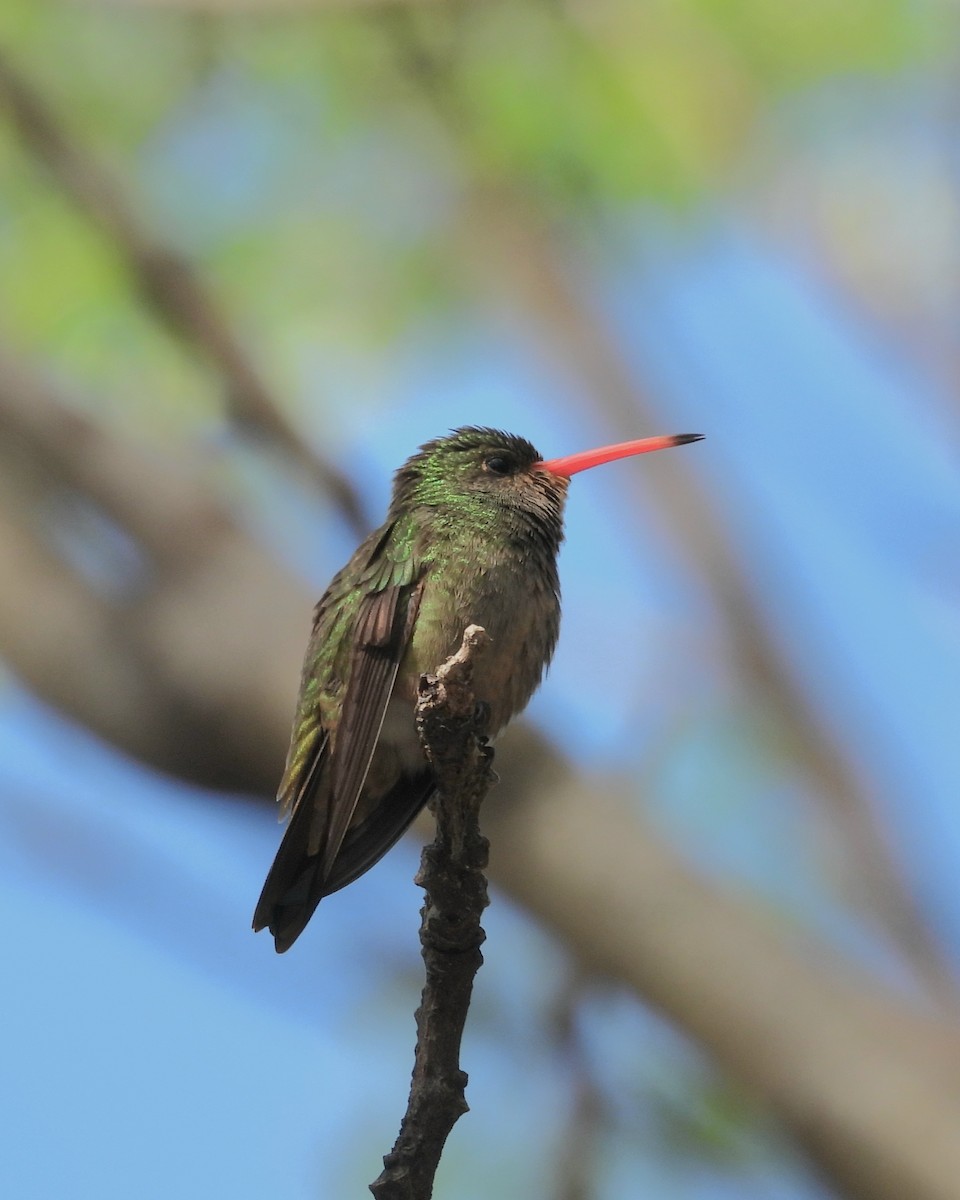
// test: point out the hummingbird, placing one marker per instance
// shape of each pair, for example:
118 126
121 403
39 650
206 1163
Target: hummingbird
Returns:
471 537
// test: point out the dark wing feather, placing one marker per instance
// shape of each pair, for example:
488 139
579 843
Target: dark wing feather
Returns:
370 840
291 878
325 804
379 644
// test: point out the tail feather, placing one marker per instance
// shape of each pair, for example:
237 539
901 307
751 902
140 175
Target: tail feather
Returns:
293 887
370 840
295 884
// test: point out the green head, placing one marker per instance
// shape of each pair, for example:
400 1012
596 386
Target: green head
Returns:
478 471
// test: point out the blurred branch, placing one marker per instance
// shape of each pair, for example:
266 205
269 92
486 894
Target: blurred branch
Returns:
507 240
865 1081
153 503
451 874
849 1068
176 672
574 1168
55 629
534 271
167 282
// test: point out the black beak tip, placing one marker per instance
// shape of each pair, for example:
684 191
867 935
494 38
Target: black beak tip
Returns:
682 439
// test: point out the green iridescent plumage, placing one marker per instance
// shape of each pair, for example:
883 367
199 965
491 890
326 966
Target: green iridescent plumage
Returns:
471 537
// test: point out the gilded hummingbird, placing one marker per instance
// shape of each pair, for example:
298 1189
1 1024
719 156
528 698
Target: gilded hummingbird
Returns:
471 537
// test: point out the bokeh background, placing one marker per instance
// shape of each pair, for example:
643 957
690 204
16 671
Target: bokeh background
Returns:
252 253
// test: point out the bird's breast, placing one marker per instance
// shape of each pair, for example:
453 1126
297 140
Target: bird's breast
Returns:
519 609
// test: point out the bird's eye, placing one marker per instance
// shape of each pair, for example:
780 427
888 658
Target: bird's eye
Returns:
496 464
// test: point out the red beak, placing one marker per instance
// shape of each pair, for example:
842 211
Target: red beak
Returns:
573 463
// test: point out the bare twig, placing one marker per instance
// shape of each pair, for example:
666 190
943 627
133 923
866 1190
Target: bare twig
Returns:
168 283
451 873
